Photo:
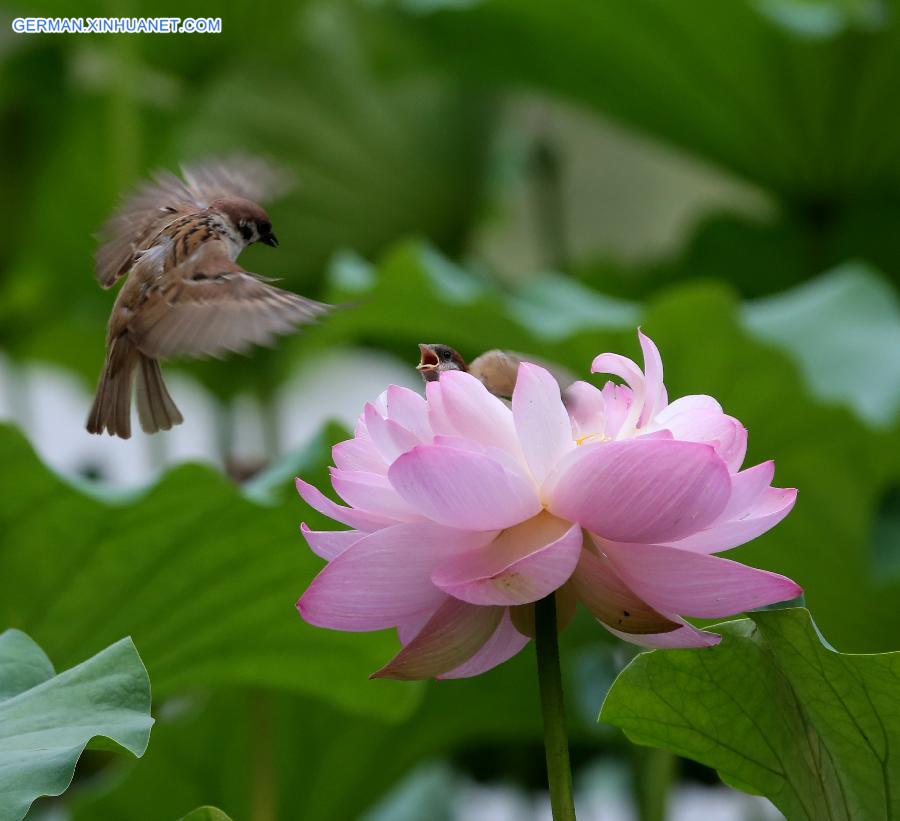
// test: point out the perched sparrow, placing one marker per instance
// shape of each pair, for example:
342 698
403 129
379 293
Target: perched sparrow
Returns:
496 369
177 242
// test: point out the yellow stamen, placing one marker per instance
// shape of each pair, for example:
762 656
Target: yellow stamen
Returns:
598 437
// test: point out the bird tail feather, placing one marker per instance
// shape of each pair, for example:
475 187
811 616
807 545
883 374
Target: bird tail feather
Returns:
111 410
156 409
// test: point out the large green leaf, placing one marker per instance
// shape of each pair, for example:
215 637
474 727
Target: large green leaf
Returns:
843 330
777 712
311 760
203 578
46 720
731 82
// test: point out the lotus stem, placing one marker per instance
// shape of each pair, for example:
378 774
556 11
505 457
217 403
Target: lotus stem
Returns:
556 742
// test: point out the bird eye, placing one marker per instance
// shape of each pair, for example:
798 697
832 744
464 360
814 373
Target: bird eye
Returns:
446 356
246 230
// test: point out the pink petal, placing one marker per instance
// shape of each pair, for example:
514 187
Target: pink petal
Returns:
769 509
410 627
663 433
437 414
358 454
655 397
384 579
381 403
724 433
586 408
640 490
686 636
329 543
696 584
500 456
733 450
624 368
618 400
691 402
390 438
541 421
455 633
357 519
523 564
373 493
502 646
463 489
747 489
620 366
477 414
409 409
610 600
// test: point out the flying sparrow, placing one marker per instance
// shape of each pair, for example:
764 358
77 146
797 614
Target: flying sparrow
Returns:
176 242
496 369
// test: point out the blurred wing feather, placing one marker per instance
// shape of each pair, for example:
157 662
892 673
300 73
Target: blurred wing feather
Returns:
141 216
238 176
220 308
156 203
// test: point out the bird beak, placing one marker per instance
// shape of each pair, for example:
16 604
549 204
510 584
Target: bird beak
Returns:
269 239
428 360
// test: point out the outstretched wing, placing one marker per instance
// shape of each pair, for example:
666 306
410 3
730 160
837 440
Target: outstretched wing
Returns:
214 308
156 203
237 176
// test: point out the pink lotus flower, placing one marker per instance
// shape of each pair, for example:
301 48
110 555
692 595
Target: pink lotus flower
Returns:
464 512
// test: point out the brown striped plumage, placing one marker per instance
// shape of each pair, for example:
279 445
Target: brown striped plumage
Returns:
185 294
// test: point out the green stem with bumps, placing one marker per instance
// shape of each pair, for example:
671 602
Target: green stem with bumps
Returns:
556 742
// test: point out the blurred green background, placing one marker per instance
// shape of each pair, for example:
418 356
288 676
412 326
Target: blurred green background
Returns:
536 176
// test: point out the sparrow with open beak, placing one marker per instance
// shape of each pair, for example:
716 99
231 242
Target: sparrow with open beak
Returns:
496 369
176 242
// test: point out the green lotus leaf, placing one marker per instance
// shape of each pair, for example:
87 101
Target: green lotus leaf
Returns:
47 719
776 711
